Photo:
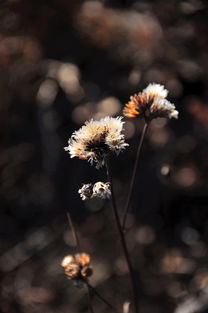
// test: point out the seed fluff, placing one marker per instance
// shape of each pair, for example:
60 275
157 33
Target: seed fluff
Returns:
96 139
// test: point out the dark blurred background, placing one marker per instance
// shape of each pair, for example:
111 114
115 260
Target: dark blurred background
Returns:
63 62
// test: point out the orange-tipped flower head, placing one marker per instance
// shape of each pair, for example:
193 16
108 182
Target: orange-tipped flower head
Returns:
150 103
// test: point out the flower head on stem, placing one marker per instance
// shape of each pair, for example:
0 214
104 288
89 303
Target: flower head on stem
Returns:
96 139
150 103
77 267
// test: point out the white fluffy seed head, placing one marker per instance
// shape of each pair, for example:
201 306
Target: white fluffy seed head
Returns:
150 103
155 90
163 108
96 139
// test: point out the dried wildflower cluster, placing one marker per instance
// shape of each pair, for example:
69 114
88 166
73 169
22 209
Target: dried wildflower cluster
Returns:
96 139
94 142
150 103
77 267
98 190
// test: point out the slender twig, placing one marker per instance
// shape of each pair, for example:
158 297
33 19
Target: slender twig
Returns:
126 207
74 233
90 295
101 297
121 235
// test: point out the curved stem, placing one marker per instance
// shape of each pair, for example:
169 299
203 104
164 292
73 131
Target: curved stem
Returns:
121 235
126 208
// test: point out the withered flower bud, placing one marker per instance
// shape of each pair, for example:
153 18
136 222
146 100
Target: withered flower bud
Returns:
86 191
72 270
82 259
98 190
68 259
102 190
87 271
77 268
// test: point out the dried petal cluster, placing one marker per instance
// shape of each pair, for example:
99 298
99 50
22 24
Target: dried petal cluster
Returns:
96 139
77 267
86 191
98 190
150 103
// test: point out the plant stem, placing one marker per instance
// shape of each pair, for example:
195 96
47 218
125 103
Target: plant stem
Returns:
74 233
90 295
126 207
101 297
121 235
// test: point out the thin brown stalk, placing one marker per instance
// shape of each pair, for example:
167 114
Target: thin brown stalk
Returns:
74 233
101 297
121 235
126 207
90 295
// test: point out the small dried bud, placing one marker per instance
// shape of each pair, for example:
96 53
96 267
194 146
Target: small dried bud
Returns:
87 271
67 260
72 270
86 191
102 190
82 259
98 190
77 268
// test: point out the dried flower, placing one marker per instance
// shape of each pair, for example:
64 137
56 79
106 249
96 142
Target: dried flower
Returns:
96 139
86 191
77 267
67 260
82 258
87 271
98 190
72 270
155 90
150 103
102 190
163 108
